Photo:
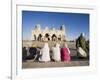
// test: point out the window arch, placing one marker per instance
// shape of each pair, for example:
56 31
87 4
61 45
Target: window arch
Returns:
54 37
39 37
47 36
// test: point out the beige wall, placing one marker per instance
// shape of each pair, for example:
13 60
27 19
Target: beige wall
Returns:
58 33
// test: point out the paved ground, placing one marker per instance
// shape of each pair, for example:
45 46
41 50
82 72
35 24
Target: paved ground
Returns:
31 64
75 61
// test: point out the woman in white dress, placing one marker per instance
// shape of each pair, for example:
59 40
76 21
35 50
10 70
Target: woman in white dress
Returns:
45 55
56 53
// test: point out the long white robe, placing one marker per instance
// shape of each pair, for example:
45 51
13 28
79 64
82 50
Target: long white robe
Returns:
45 55
81 52
56 53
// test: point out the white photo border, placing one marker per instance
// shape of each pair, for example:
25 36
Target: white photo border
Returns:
19 73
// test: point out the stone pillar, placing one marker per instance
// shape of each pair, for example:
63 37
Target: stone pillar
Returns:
36 37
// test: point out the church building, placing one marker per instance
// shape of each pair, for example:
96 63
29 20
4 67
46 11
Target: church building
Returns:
46 34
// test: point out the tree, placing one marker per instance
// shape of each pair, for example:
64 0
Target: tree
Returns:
87 47
81 42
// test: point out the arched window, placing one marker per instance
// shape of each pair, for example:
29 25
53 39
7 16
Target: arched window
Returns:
47 36
54 37
40 37
59 37
34 37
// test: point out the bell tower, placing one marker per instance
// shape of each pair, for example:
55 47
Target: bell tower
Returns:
38 27
62 28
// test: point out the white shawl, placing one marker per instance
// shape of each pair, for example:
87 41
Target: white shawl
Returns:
56 53
45 55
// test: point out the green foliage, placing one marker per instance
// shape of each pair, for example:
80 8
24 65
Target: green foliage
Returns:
87 47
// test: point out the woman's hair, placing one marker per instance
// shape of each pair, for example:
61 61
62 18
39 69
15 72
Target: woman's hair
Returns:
65 45
46 45
57 45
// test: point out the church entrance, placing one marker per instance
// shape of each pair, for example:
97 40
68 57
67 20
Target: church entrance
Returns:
54 37
47 37
40 37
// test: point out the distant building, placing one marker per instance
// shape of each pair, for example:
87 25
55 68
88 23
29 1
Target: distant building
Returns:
39 34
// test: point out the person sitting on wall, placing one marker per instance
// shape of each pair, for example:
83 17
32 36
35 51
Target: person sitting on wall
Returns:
44 52
56 56
65 53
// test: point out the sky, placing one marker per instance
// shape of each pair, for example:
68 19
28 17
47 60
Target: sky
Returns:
75 23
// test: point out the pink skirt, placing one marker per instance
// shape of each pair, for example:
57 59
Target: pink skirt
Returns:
65 55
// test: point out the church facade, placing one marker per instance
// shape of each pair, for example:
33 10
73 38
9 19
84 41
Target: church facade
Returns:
46 34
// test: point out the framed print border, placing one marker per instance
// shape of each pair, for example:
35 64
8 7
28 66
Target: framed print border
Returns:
18 72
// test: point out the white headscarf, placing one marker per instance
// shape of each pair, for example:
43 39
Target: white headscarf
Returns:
67 47
56 53
57 45
45 53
